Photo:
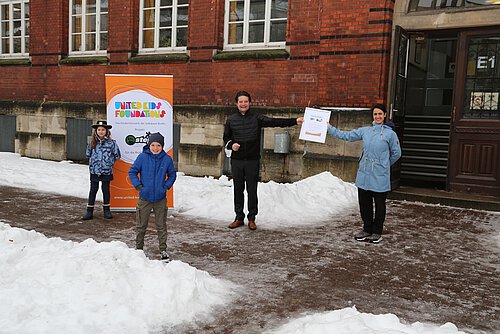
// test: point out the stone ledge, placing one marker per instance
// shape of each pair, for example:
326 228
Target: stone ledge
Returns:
159 58
251 55
84 60
15 62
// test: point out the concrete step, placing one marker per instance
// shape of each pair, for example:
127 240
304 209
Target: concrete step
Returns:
438 196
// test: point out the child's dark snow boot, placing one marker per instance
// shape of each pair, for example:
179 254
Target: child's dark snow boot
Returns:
89 214
107 212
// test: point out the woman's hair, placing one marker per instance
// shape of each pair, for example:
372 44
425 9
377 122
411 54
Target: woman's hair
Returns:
381 107
94 136
242 93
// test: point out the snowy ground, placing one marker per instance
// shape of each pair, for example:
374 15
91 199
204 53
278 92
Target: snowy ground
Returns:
61 286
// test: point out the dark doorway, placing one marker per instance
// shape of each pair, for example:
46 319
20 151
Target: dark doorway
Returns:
428 109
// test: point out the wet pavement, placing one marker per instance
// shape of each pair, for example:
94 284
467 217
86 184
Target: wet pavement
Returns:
436 264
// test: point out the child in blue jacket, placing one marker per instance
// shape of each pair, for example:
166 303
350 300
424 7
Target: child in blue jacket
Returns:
381 150
157 175
102 153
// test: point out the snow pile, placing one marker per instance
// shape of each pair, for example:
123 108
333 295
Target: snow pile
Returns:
350 321
48 285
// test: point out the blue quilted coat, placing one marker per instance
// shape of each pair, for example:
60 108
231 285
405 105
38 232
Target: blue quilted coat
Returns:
380 150
157 174
103 156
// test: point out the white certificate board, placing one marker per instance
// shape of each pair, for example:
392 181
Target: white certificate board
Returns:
315 125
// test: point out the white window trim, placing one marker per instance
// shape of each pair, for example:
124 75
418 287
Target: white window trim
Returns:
156 49
23 53
97 51
251 46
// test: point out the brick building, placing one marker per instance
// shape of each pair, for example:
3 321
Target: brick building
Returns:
287 54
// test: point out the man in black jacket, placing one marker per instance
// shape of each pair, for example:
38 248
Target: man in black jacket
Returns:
242 140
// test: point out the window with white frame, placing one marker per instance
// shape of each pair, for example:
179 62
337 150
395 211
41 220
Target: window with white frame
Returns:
14 28
88 26
255 24
163 25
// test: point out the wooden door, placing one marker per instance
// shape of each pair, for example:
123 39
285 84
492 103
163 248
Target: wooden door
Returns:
474 163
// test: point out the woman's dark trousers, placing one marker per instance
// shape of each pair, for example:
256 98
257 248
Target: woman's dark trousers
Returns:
366 198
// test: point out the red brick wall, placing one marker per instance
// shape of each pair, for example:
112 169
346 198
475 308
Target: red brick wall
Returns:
339 56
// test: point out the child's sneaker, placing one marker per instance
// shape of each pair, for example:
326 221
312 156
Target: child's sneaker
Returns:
362 236
374 238
164 256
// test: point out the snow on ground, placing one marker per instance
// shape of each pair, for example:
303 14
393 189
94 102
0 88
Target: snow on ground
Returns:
48 285
311 200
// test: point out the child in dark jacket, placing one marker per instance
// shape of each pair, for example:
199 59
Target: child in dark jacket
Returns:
157 175
101 154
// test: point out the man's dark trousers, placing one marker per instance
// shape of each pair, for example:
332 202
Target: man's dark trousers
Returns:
245 172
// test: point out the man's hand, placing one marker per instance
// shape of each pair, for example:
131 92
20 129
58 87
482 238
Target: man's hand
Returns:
300 120
235 146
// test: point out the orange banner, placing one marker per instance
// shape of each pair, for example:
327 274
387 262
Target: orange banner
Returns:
137 105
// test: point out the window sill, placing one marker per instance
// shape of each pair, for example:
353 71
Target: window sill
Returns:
251 55
84 60
14 61
159 58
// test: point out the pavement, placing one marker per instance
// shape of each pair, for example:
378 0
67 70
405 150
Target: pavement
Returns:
436 264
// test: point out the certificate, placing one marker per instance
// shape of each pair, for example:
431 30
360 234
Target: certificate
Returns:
315 125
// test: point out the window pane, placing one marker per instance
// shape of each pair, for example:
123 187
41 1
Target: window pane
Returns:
148 38
89 42
5 45
91 6
104 5
5 12
104 40
181 37
17 45
236 11
149 3
76 41
257 9
90 23
235 33
165 3
420 4
5 29
26 11
27 27
166 17
16 11
77 7
17 28
27 45
256 32
279 9
278 31
165 38
77 24
104 22
182 2
182 16
149 18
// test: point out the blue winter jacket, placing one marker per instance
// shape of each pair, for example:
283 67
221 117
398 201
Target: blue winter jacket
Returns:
380 150
157 174
103 156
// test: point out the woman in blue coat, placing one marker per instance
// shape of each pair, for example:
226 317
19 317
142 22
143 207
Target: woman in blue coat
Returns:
381 150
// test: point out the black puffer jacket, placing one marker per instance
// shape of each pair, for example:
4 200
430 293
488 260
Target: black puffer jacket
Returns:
245 130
